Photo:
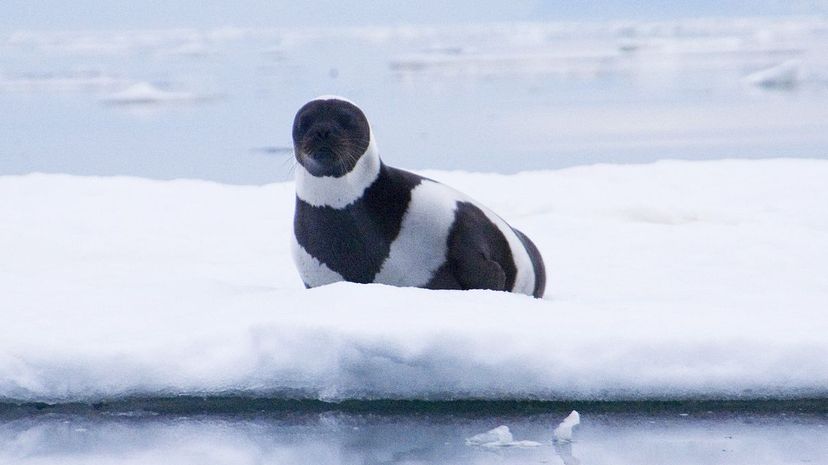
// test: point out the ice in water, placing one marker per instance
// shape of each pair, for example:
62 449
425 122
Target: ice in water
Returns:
563 433
498 437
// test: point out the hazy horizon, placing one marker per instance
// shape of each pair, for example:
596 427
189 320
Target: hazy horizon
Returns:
120 14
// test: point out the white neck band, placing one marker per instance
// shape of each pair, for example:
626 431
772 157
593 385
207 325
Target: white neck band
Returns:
342 191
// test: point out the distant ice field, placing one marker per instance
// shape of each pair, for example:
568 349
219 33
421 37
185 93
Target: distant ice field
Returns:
671 280
218 103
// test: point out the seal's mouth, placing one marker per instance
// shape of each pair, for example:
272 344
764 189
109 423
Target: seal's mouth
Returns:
322 155
322 159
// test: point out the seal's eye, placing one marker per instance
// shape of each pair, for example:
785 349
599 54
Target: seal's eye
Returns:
304 121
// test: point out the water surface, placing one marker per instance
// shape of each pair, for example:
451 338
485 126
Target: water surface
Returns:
486 97
641 433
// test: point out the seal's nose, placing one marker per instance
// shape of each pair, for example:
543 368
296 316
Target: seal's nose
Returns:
322 133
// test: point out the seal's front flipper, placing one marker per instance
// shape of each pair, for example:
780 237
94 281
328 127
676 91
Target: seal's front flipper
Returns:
479 256
467 268
480 273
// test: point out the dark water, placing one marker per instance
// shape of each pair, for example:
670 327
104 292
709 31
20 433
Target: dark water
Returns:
228 431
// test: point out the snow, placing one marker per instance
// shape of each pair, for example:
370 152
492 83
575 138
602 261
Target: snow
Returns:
498 437
674 280
563 432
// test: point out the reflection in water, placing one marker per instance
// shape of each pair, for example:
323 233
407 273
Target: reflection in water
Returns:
564 451
378 439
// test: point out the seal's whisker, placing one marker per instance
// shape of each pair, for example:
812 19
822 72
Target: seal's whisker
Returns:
290 163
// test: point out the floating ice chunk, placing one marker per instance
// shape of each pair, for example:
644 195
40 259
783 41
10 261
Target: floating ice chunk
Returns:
516 444
563 433
146 93
61 82
712 317
523 444
498 437
193 48
785 75
499 434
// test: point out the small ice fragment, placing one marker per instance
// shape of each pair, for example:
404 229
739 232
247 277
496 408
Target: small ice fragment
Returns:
498 437
517 444
563 432
785 75
500 434
146 93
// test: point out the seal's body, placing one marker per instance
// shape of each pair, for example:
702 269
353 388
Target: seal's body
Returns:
359 220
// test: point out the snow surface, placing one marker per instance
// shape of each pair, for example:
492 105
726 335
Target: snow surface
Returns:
670 280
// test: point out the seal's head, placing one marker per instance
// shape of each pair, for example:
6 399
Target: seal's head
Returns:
330 134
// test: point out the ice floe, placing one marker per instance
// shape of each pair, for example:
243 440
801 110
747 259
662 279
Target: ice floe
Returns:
674 280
